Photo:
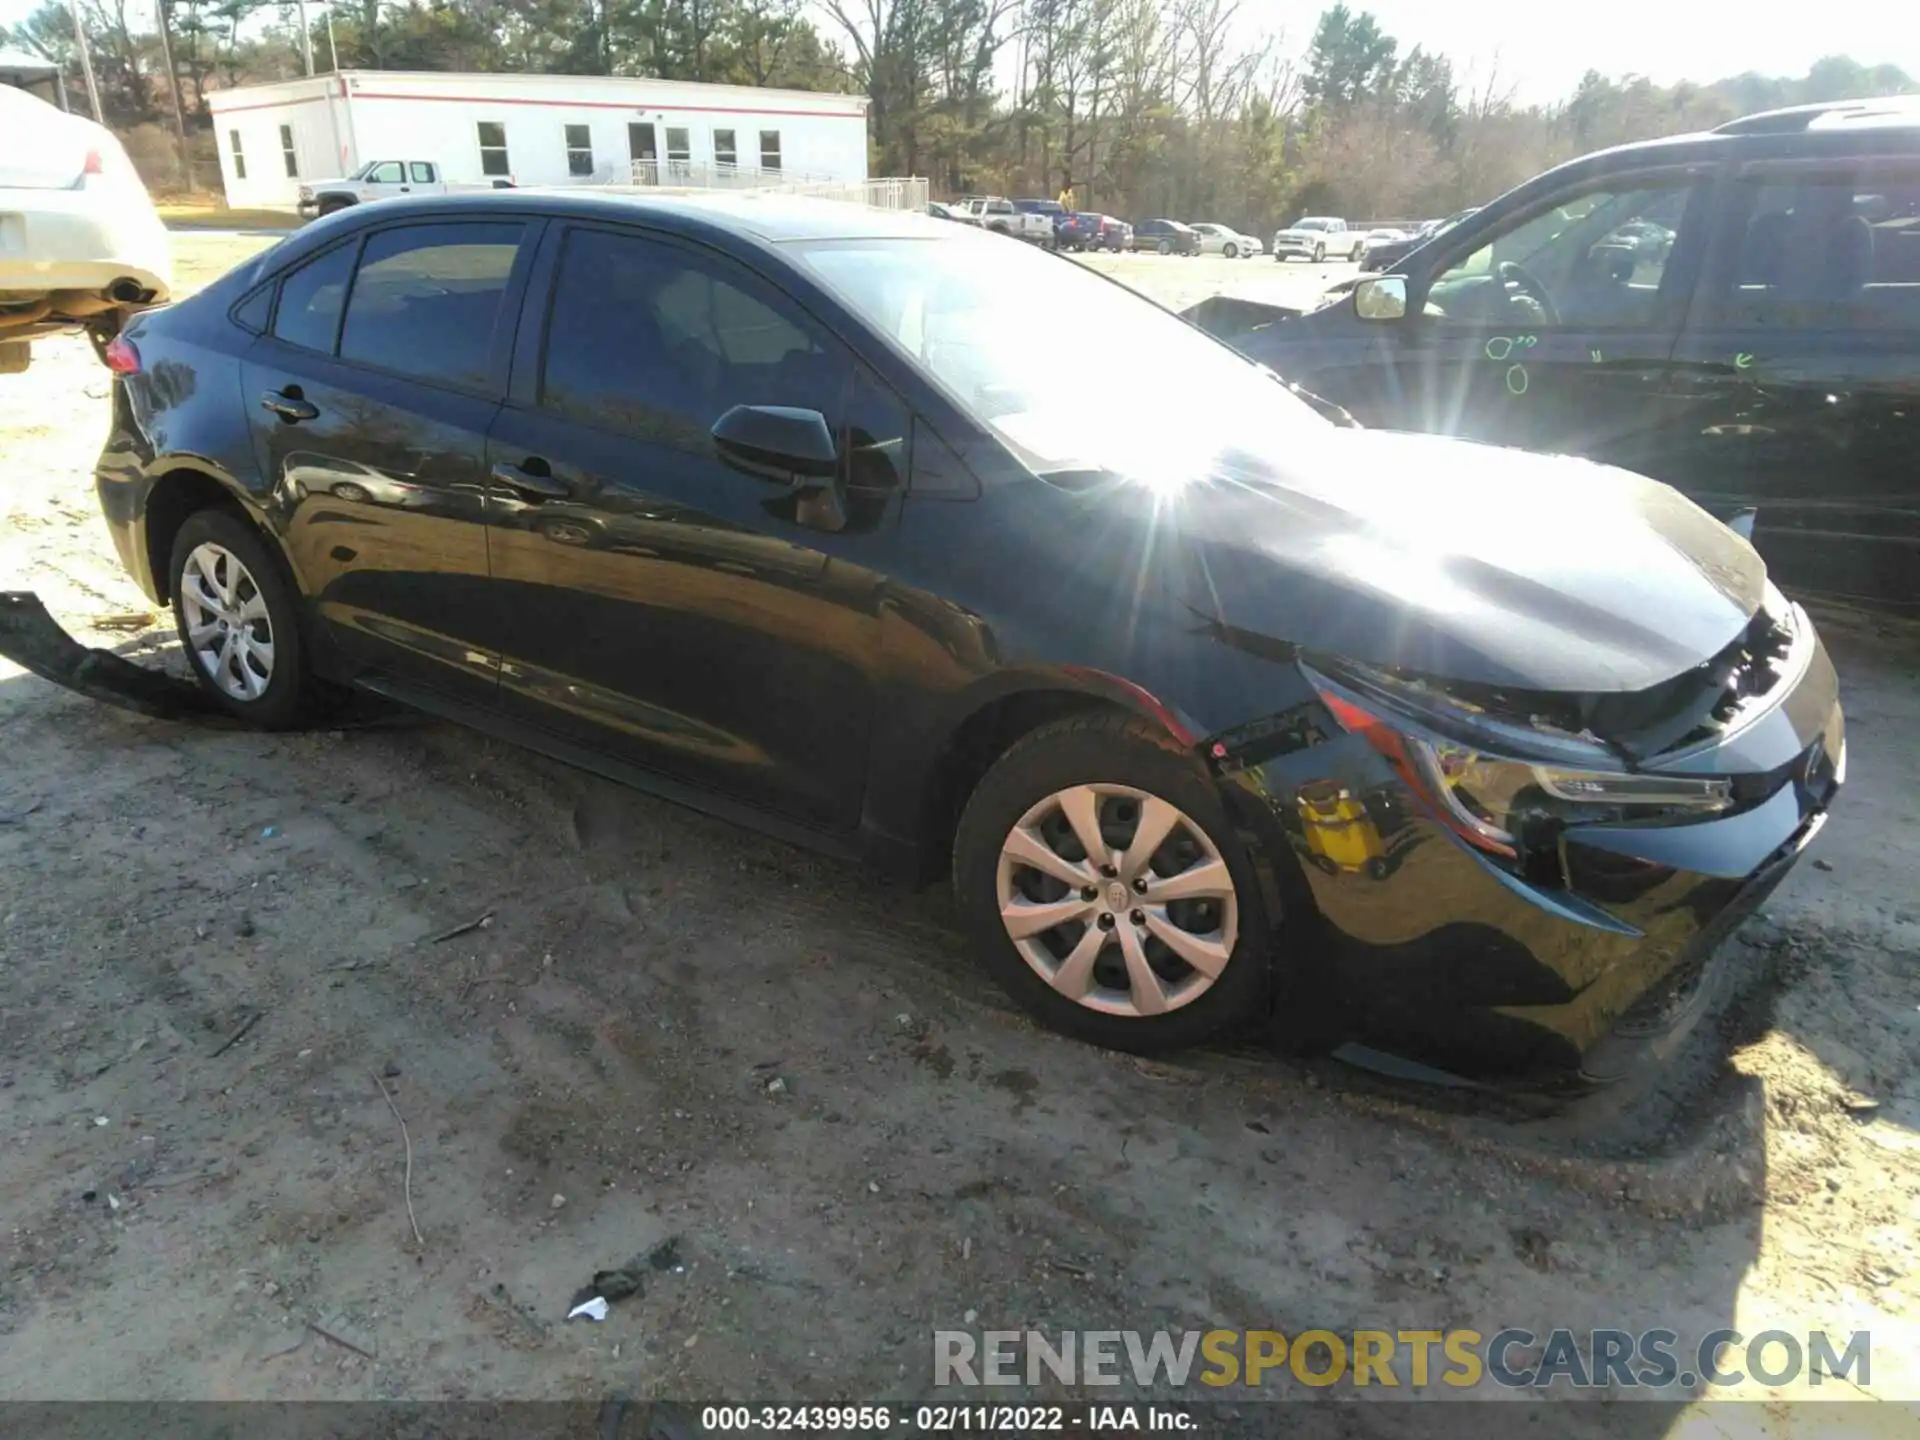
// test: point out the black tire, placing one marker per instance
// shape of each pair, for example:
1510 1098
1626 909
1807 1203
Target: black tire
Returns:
1165 247
333 205
290 688
1108 747
1231 252
1320 253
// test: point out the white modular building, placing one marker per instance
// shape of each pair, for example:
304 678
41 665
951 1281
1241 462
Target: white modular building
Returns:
531 130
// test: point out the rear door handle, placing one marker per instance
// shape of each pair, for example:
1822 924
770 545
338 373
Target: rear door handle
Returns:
288 405
532 480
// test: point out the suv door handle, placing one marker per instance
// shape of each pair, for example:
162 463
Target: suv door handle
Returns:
532 479
289 405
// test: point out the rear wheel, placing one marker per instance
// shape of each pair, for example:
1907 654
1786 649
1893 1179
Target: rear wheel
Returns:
1165 247
238 620
1103 886
1232 252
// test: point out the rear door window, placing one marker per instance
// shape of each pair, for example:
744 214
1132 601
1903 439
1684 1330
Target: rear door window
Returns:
1829 248
428 298
308 314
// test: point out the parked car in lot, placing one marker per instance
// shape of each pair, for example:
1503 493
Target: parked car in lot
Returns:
1315 237
1055 212
1166 237
382 180
1384 254
80 242
1111 233
942 212
1224 240
1403 735
1737 313
1003 217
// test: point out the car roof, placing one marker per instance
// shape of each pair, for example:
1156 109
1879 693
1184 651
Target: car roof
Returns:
761 218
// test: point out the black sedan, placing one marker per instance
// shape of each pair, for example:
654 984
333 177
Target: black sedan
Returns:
1219 714
1166 237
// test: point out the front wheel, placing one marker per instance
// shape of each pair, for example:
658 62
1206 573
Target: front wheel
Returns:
238 620
1102 884
1320 254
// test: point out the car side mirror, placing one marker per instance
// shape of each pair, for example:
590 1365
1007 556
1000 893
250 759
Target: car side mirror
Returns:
777 442
1381 297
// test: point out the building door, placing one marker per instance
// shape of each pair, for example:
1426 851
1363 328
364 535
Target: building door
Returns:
644 150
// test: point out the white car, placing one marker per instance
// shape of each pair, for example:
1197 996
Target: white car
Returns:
1224 240
80 242
1316 237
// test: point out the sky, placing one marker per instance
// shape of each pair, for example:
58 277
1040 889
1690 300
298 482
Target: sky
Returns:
1542 50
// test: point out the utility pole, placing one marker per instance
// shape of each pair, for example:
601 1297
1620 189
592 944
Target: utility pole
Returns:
86 62
173 89
333 47
306 38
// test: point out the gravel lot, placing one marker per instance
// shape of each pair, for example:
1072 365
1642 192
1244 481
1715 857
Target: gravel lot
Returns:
214 950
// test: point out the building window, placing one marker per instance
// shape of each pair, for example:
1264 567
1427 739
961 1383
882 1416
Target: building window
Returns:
239 159
726 151
679 150
493 148
769 149
579 150
286 151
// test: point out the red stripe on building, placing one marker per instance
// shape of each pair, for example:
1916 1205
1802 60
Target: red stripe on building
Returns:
267 105
606 105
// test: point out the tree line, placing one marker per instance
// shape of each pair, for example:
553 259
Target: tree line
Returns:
1140 107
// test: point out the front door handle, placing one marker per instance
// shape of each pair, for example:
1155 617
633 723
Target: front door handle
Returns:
531 480
289 405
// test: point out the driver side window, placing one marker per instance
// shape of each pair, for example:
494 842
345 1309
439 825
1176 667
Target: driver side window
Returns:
1597 258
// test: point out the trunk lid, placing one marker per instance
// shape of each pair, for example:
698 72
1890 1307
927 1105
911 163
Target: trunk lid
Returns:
40 148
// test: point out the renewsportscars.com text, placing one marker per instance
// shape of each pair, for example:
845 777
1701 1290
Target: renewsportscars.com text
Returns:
1460 1359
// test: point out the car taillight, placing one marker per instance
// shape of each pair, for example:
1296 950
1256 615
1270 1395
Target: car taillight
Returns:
95 165
121 357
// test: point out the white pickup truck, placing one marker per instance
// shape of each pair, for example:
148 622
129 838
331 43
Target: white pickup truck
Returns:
1316 237
382 180
1003 217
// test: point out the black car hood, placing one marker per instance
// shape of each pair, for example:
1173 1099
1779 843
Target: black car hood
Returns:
1463 561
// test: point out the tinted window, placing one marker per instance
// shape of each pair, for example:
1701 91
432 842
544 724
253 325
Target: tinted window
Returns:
1838 249
386 173
308 314
1597 258
657 341
252 312
427 297
876 439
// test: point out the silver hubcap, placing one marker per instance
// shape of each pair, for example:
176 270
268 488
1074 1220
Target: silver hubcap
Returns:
228 628
1117 900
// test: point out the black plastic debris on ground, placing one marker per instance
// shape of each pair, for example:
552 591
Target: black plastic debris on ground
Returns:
623 1282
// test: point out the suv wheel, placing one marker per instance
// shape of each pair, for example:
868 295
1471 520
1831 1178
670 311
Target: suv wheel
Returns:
238 620
1319 252
1103 886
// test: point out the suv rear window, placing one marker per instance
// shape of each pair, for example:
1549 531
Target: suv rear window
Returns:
1830 249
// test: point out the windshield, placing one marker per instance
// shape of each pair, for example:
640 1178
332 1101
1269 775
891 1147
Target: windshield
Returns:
1165 404
364 171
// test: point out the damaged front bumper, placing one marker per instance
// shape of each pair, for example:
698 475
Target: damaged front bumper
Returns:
33 639
1558 976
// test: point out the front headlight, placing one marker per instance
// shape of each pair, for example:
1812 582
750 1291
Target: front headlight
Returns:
1484 785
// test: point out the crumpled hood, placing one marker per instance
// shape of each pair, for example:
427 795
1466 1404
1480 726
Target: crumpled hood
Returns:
1465 561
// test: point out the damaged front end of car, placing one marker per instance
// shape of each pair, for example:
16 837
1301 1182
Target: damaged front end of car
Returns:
1532 887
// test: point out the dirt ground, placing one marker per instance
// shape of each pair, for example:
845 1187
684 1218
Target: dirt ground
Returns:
216 949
